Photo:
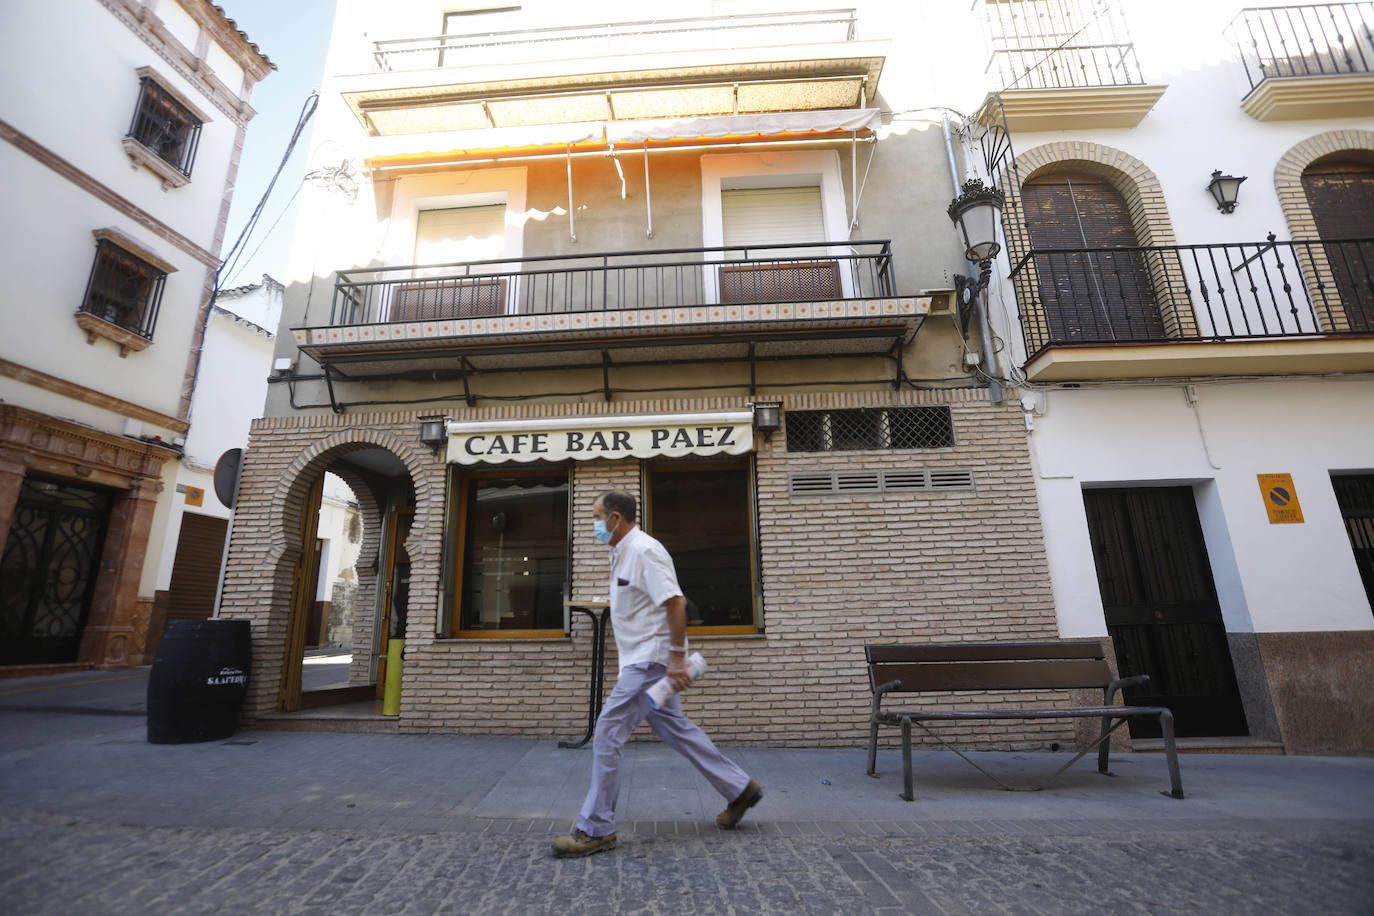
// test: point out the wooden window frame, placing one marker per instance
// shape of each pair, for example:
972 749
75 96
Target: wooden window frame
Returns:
647 471
459 478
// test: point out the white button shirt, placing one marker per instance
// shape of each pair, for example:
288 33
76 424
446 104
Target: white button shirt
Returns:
642 581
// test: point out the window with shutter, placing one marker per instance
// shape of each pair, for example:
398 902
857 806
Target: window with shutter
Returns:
775 216
1089 295
1341 195
456 235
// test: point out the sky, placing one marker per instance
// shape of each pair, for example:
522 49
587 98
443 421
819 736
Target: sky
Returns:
295 35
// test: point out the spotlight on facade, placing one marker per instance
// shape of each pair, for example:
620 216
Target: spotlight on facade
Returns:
1225 189
433 432
975 213
767 417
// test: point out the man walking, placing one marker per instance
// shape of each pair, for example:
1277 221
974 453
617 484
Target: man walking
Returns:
649 614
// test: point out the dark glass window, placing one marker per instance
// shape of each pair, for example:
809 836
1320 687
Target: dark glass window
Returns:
124 289
702 514
165 126
514 549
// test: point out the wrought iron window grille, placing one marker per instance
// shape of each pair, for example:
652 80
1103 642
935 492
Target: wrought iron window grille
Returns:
165 126
869 429
124 289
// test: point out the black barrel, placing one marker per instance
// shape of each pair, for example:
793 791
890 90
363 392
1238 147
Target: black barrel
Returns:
198 681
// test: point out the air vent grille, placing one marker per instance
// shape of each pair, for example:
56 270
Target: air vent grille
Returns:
819 483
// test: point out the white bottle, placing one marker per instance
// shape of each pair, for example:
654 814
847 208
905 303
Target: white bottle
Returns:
662 690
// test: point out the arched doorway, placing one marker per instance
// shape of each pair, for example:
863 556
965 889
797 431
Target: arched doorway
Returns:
1088 291
1340 193
358 638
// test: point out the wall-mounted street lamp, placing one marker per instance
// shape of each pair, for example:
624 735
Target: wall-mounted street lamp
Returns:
767 417
433 432
1225 189
975 213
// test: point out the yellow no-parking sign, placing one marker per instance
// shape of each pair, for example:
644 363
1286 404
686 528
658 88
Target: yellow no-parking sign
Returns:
1280 499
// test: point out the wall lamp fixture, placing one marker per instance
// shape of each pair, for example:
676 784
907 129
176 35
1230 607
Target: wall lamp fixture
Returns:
1225 189
975 213
767 417
433 432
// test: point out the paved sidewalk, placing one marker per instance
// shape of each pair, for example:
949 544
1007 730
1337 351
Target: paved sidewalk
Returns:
93 819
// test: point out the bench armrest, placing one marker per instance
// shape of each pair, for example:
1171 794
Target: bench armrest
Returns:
1138 680
878 695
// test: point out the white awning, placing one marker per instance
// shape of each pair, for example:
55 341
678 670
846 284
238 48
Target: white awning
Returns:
491 139
586 438
770 124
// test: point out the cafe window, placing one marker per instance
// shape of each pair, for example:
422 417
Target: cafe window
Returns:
512 545
704 515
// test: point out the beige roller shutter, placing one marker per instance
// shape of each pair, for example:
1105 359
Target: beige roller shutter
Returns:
460 234
772 216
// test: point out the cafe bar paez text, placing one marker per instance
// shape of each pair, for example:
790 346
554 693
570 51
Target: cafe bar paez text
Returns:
586 438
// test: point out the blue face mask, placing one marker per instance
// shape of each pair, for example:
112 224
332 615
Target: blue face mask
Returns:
599 529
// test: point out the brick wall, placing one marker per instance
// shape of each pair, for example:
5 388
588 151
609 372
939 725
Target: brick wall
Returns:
838 571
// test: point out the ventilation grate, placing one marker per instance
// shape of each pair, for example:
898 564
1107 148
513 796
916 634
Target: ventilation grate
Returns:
816 483
868 429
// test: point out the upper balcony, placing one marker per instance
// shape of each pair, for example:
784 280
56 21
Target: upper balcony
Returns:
1311 61
1166 311
720 305
1065 64
720 65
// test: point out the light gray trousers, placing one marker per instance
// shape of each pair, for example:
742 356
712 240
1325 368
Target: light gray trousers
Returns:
626 707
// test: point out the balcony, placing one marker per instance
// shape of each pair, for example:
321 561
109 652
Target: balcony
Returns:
773 302
1065 64
1264 308
1303 62
710 66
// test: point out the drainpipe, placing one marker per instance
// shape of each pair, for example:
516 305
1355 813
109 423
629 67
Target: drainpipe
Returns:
989 355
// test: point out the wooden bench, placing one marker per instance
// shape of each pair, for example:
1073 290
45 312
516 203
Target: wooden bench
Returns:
1027 665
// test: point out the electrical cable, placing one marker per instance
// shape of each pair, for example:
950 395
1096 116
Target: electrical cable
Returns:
267 236
236 250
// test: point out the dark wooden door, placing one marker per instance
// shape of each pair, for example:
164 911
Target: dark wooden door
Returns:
195 570
1089 295
1355 496
49 569
1341 195
1161 608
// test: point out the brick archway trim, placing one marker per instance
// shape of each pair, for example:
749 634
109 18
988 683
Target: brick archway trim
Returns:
1288 174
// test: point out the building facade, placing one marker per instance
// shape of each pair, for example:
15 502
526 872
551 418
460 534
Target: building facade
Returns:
704 260
119 158
1194 368
708 260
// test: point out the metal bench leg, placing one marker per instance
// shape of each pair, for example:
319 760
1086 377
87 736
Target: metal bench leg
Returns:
909 794
873 749
1166 725
1104 749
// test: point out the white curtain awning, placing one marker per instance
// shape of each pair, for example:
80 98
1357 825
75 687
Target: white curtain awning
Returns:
585 438
494 138
769 124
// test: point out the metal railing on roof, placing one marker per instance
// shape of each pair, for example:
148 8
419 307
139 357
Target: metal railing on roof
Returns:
1059 44
1156 293
616 38
1324 39
661 278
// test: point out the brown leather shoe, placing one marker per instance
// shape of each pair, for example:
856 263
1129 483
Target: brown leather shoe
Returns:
729 818
578 843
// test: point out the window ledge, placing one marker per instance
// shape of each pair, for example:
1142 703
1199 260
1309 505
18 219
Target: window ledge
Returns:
99 327
1202 359
1290 98
140 155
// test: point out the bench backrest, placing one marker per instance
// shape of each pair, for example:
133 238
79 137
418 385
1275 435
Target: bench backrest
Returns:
1029 664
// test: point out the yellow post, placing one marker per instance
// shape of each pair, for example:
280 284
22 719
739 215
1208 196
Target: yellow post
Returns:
391 700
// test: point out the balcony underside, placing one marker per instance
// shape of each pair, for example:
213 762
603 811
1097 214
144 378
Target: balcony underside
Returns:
1078 107
452 347
1345 95
641 86
1202 359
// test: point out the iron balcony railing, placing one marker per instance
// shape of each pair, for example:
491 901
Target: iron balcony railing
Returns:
1195 292
614 38
663 278
1324 39
1059 44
